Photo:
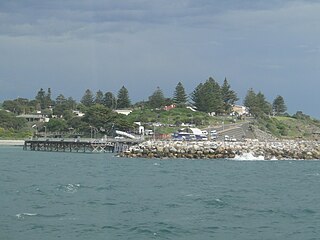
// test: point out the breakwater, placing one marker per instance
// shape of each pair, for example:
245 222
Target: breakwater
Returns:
287 149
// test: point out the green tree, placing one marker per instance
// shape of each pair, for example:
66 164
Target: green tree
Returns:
207 97
99 116
56 124
250 101
41 98
264 106
12 106
87 99
229 96
278 106
157 99
10 121
257 104
110 100
180 96
123 98
99 97
64 107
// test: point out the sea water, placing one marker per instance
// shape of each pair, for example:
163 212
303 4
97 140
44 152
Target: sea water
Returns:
48 195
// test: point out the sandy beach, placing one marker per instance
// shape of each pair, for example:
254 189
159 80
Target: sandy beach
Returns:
11 142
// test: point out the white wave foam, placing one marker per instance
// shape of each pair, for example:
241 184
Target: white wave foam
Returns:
69 188
248 157
23 215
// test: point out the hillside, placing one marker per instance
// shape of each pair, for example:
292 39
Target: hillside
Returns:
295 127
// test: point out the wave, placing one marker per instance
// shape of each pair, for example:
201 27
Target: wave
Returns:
23 215
249 157
69 188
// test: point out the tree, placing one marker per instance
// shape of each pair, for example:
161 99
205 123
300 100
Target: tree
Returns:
99 97
10 121
56 124
207 97
110 100
87 99
48 101
264 106
250 101
157 99
257 104
123 98
180 96
100 117
278 106
41 98
229 96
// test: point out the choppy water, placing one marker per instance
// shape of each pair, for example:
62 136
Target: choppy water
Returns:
98 196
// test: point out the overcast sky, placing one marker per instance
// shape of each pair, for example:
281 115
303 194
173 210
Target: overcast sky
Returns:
70 45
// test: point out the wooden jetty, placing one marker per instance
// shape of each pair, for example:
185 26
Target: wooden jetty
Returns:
80 146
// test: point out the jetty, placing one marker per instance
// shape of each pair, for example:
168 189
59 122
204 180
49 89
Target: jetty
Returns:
80 145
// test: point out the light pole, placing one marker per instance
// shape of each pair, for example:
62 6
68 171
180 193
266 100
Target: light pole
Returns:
45 131
91 133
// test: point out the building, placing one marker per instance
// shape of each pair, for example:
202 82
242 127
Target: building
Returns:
34 117
239 110
123 111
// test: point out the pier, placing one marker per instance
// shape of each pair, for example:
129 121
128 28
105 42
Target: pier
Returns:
80 146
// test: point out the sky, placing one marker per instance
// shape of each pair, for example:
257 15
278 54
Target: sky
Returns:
72 45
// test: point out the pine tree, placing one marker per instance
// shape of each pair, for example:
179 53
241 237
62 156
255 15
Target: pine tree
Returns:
123 98
180 96
229 96
87 99
279 107
257 103
99 97
110 100
250 101
157 99
197 98
207 97
41 98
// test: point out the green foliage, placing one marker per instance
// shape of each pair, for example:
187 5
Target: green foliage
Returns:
14 134
180 97
87 99
10 121
207 97
278 106
19 106
123 98
64 106
257 104
99 98
229 96
44 99
57 125
110 100
157 99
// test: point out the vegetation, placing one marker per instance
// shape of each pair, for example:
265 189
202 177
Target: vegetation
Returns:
99 115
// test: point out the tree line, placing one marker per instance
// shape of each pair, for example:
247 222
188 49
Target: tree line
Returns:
208 97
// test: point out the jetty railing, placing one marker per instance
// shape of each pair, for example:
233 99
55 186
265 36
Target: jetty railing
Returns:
80 145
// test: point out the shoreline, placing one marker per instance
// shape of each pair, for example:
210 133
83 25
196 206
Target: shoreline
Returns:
266 150
11 142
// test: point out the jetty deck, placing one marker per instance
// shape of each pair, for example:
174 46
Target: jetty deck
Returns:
80 146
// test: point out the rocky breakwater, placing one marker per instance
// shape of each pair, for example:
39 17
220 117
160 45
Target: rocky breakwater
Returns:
212 150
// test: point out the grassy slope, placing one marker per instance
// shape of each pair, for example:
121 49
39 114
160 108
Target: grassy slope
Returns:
288 127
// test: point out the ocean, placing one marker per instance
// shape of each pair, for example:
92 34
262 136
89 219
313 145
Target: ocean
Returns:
74 196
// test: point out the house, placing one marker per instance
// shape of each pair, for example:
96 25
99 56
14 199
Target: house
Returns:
239 110
78 113
167 108
34 117
123 111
